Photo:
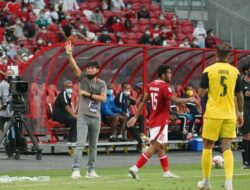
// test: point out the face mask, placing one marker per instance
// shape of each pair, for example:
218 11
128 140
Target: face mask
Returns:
18 22
105 33
81 27
5 61
129 6
26 1
161 17
189 93
40 41
41 15
25 59
174 19
120 42
118 21
147 33
69 90
186 43
91 76
44 31
12 45
74 33
110 92
49 44
25 10
126 93
68 17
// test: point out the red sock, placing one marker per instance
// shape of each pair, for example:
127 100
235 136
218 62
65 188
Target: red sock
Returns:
164 163
142 160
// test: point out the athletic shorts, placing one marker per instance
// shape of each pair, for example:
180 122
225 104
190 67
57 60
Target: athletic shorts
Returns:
213 129
159 134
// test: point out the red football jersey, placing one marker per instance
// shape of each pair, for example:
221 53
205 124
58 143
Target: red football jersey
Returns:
160 93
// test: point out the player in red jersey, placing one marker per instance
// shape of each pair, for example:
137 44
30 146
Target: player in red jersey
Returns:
160 94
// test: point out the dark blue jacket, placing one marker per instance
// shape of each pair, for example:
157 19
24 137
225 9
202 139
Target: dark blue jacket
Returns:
122 101
109 108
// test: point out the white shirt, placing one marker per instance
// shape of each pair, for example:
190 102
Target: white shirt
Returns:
71 4
117 5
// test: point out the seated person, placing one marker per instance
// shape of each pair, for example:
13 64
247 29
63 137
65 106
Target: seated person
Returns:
123 101
113 116
63 112
192 113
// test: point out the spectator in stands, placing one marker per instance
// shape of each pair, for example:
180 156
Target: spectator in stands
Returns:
123 100
200 33
63 112
61 13
185 43
42 21
71 5
146 38
92 93
157 40
97 17
143 13
22 50
75 37
212 40
13 7
51 14
175 25
155 31
117 26
128 25
195 43
12 50
105 5
117 5
104 37
9 35
18 29
3 19
129 11
86 34
113 116
24 14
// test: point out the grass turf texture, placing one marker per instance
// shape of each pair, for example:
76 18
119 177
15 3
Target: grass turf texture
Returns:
117 179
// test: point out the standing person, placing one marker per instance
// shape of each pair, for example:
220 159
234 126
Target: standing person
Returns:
221 83
92 91
160 94
245 150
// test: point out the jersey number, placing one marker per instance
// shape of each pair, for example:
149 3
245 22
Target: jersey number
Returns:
154 100
224 86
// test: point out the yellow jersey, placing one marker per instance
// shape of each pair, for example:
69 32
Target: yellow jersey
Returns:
221 80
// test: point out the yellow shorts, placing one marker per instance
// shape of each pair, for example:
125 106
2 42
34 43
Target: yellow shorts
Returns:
215 128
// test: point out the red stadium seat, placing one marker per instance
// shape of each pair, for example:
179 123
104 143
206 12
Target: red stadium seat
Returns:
169 15
155 7
144 21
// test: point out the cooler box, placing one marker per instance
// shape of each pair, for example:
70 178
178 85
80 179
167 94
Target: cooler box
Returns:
196 145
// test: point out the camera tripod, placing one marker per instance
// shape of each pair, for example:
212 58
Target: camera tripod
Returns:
15 124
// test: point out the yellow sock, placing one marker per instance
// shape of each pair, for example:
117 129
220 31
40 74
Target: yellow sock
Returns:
206 162
228 164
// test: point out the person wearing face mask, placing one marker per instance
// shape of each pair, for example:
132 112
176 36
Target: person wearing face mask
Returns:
211 40
143 13
74 37
193 112
123 100
13 7
92 92
185 43
3 66
112 116
146 38
42 20
5 113
195 43
200 33
63 112
118 26
245 146
105 37
97 17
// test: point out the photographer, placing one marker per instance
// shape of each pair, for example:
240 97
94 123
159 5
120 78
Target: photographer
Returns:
92 91
4 97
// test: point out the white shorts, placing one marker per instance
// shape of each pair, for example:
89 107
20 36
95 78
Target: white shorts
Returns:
158 134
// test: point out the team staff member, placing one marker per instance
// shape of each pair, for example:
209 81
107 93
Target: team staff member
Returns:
245 150
63 112
92 91
221 82
160 94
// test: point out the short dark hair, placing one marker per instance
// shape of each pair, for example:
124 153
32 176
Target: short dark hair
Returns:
245 68
223 50
125 83
92 64
162 69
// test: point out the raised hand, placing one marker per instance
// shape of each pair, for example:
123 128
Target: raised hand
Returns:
68 47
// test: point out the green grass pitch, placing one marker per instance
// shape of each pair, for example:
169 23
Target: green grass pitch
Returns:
117 179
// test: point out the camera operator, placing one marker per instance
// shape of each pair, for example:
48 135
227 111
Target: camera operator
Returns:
63 112
4 97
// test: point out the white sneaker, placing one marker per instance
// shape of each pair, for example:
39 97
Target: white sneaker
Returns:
91 174
228 185
203 186
76 174
168 174
133 172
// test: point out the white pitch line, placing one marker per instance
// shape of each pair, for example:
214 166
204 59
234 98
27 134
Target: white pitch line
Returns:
92 181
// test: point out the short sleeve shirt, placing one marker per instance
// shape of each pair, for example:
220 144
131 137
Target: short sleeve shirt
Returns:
95 86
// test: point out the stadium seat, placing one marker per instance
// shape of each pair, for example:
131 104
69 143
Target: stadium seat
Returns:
169 15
